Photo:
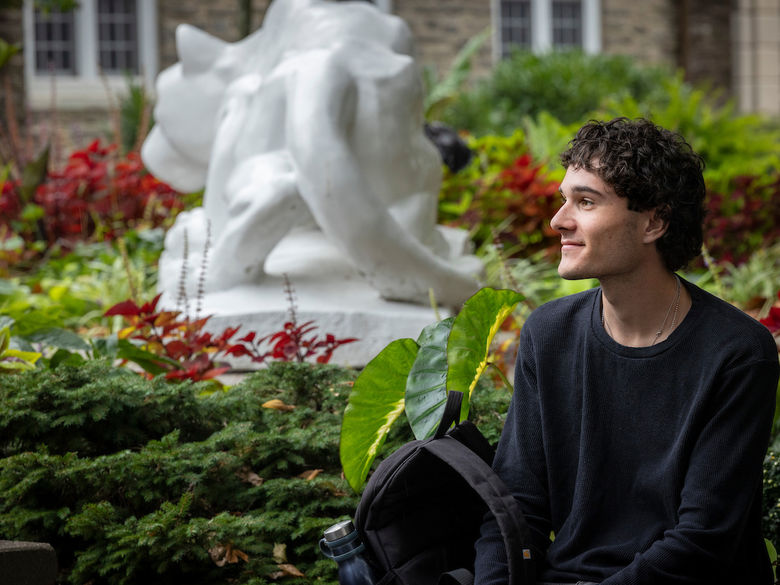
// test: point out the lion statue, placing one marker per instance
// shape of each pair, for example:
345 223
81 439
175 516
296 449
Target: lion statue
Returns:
311 123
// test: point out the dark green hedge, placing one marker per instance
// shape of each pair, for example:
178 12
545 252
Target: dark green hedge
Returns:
135 481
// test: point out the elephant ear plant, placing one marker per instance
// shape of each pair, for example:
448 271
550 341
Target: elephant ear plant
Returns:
415 376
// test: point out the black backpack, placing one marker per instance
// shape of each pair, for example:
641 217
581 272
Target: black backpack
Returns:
422 509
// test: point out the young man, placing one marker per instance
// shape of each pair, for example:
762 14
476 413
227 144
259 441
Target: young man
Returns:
642 409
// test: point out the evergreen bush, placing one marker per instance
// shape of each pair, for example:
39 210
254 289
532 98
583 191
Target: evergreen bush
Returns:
145 481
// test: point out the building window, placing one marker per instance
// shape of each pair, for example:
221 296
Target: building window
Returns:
541 25
118 36
515 24
95 46
567 23
55 49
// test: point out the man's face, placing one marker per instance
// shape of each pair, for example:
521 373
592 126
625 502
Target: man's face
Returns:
600 236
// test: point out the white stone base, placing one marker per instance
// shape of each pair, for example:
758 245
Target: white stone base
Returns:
327 290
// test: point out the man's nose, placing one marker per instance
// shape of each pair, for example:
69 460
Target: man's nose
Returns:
561 221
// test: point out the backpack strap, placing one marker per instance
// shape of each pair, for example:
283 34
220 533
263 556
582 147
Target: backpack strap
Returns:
451 413
503 506
457 577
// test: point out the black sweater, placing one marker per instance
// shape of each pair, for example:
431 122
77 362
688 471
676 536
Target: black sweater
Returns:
645 463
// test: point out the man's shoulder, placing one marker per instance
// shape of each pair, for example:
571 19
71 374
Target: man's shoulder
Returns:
569 310
731 327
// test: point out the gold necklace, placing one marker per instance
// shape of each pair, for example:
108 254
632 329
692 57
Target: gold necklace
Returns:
675 304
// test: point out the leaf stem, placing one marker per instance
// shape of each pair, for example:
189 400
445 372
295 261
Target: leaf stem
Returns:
503 377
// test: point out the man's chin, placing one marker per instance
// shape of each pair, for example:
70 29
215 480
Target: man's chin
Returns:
572 273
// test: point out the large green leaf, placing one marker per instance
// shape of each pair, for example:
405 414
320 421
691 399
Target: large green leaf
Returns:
376 401
426 385
770 549
472 332
58 337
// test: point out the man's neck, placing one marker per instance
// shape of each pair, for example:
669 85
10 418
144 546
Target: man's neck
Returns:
643 309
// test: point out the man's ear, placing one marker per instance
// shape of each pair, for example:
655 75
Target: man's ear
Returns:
657 224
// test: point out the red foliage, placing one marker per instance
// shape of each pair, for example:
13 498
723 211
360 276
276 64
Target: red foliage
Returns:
532 201
188 352
10 206
512 205
772 321
743 221
96 194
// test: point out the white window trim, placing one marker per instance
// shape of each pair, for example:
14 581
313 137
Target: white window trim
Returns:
541 26
87 89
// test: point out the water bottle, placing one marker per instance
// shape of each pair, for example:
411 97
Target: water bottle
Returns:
342 543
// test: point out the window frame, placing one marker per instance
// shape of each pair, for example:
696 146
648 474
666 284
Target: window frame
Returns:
87 89
542 26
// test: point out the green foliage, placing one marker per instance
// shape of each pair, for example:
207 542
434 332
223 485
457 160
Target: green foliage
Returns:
134 116
751 285
567 84
144 481
7 51
12 359
547 138
440 92
732 145
74 289
416 376
31 311
376 402
95 410
771 499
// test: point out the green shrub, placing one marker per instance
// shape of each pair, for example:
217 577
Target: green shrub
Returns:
567 84
97 410
144 481
733 145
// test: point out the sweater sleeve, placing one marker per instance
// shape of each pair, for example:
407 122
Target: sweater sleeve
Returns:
520 463
721 485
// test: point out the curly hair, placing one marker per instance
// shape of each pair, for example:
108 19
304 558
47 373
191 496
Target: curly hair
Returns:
655 169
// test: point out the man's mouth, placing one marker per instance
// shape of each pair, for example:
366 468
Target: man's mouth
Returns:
568 245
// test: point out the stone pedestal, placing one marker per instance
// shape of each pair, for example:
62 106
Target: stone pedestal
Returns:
327 290
27 563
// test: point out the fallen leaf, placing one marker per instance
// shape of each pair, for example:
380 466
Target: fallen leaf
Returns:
247 475
217 554
310 474
277 404
286 570
280 553
236 554
223 554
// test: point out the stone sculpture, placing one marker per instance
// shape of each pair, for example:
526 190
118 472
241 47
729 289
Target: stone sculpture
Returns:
312 124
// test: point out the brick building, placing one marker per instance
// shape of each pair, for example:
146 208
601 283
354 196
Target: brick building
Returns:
733 44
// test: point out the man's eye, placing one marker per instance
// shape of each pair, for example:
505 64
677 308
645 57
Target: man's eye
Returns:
586 203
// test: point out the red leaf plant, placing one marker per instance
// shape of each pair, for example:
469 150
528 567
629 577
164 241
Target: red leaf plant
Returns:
772 321
177 346
519 190
97 194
